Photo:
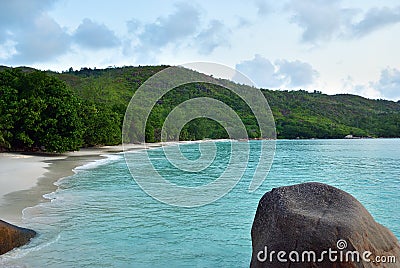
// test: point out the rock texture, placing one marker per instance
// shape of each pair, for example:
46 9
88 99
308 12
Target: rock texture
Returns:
314 217
12 236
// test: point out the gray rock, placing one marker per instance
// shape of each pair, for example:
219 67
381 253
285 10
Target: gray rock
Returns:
309 218
12 236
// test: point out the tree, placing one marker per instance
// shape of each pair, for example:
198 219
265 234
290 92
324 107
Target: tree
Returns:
102 125
38 111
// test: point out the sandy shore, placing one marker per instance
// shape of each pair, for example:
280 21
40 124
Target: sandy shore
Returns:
25 178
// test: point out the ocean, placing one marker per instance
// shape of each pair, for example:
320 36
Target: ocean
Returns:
101 217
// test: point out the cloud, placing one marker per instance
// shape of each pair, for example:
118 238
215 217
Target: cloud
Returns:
243 23
387 87
260 70
388 84
173 28
133 25
296 73
322 20
263 7
217 34
28 33
18 14
181 29
147 40
90 34
319 19
366 91
7 50
282 73
374 19
43 40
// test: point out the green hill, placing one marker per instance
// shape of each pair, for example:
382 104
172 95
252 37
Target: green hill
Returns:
37 106
297 113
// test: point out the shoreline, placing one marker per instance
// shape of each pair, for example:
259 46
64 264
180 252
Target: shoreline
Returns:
25 178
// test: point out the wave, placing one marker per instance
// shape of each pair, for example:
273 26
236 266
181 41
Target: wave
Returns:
99 162
33 214
91 165
9 259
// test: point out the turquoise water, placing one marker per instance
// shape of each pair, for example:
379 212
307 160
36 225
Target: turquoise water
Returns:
100 217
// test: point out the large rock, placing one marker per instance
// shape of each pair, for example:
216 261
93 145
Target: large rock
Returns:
12 236
309 218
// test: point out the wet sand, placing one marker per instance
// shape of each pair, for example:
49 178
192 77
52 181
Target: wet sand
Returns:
25 178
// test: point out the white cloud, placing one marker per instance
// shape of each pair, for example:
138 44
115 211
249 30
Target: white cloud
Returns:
147 40
28 33
388 84
282 73
319 19
7 50
19 14
173 28
374 19
217 34
264 7
323 20
387 87
243 22
261 71
363 90
185 28
90 34
133 25
43 41
296 73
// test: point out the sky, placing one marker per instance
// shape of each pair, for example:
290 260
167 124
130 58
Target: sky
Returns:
326 45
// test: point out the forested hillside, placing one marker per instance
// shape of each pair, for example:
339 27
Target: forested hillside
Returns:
64 111
297 113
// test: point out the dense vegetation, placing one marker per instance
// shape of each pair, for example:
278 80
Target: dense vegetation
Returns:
40 112
315 115
58 112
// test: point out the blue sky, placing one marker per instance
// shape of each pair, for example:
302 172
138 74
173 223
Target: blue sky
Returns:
327 45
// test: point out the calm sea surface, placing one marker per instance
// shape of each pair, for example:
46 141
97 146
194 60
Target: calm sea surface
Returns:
100 217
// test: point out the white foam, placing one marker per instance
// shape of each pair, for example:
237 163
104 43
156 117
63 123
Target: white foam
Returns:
17 253
91 165
28 212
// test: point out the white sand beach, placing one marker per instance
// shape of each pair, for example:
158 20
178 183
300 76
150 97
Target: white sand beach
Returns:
19 171
25 178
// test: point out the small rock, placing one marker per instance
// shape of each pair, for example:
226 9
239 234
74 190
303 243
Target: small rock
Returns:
12 236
